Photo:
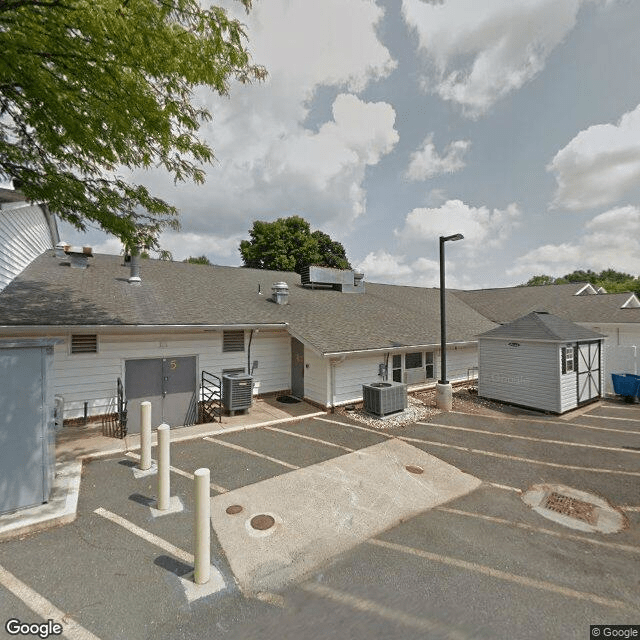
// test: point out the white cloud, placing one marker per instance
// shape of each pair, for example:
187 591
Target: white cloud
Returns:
186 245
481 226
478 52
270 163
610 240
599 165
426 163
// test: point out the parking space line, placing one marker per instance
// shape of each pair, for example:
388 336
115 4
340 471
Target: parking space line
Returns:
629 508
146 535
318 440
237 447
505 487
610 418
495 454
184 474
543 585
393 615
353 426
550 532
43 608
530 438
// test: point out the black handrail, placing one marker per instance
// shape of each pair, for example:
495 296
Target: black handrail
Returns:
211 397
122 411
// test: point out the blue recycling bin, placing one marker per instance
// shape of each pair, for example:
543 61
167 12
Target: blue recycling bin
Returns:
626 384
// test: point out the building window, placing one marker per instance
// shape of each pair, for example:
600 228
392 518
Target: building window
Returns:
232 341
569 359
396 368
84 343
430 370
413 360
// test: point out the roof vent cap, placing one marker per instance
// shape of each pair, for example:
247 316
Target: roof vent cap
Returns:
79 256
280 293
60 249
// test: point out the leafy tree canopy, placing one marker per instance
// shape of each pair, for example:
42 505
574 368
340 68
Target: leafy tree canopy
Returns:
89 88
287 244
198 260
613 281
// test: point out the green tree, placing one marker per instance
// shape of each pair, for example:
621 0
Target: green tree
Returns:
198 260
287 244
89 88
538 280
612 281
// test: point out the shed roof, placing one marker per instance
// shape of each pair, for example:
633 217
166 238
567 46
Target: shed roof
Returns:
506 304
542 326
177 293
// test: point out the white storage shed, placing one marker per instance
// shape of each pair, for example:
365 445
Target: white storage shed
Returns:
542 362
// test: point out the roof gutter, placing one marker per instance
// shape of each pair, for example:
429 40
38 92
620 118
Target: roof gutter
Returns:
404 348
131 328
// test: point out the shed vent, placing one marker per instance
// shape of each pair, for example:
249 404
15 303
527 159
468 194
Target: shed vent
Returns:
84 343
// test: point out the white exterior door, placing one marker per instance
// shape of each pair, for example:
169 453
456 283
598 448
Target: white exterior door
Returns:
588 371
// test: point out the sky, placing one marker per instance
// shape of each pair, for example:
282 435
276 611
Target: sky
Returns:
387 123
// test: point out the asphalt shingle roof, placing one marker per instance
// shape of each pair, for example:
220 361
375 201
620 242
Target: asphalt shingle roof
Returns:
542 326
507 304
177 293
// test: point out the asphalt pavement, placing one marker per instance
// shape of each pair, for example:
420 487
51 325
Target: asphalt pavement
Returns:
480 565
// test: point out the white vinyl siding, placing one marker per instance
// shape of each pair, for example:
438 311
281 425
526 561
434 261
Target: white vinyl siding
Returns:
568 385
24 235
91 378
316 378
526 375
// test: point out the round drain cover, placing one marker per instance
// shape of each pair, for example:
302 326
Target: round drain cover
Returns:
262 522
233 509
411 468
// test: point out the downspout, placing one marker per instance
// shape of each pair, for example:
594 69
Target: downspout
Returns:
249 353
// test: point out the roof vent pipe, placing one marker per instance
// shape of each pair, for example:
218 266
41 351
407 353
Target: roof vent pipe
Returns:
280 293
134 278
60 249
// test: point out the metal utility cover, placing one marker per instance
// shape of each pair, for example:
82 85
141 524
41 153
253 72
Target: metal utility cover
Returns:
327 508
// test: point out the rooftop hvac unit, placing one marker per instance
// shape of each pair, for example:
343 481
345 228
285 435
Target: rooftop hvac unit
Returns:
237 391
384 398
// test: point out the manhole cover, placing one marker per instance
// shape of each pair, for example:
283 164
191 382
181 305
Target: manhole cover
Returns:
287 399
571 507
413 469
233 509
262 522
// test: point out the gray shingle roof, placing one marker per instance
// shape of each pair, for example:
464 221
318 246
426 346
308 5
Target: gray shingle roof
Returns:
507 304
176 293
542 326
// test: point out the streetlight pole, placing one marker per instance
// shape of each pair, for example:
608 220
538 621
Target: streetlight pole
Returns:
444 393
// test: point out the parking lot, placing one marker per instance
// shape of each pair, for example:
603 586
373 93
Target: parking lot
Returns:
481 565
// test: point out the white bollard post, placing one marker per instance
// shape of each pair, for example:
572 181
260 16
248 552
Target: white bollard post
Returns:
164 492
202 551
145 436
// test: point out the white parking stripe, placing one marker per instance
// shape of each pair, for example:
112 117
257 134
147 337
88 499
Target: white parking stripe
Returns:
546 422
299 435
505 487
184 474
43 608
530 438
237 447
353 426
586 415
369 606
146 535
495 454
549 532
543 585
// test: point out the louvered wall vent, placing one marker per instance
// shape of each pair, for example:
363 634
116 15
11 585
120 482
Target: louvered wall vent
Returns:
232 341
84 343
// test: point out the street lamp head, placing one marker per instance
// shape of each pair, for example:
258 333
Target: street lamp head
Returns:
457 236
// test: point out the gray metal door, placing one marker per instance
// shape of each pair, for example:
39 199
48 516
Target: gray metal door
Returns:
297 368
588 371
23 429
169 384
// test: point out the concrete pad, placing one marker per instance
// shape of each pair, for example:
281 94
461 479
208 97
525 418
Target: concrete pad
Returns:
193 591
143 473
327 508
175 506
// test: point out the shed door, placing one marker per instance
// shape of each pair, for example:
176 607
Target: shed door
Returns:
22 429
588 371
169 384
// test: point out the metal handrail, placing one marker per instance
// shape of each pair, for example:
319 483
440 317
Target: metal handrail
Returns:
211 396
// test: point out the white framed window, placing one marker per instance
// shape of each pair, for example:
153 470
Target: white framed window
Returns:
84 343
413 360
396 368
569 359
232 341
429 365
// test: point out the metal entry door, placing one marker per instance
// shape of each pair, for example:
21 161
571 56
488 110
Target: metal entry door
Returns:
297 368
169 384
588 371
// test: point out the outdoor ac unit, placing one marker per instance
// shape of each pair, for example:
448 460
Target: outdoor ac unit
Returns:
384 398
413 376
237 391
